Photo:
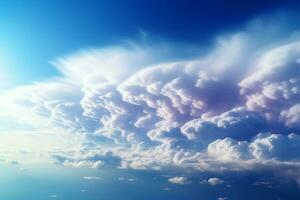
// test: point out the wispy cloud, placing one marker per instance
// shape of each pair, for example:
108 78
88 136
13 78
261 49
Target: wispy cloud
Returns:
92 178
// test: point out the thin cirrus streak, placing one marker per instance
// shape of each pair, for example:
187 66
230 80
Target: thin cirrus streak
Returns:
236 108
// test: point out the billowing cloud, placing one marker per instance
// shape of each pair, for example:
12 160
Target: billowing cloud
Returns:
273 89
235 108
263 146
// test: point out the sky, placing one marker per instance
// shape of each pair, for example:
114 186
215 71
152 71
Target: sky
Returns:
147 100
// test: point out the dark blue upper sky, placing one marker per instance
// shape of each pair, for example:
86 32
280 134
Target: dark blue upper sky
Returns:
35 32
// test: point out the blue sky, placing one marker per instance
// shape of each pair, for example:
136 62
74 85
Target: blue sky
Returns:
143 100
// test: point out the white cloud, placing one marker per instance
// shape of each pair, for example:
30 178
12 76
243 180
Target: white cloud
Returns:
236 123
222 198
215 181
264 149
92 178
110 64
179 180
228 149
232 109
212 181
274 84
264 184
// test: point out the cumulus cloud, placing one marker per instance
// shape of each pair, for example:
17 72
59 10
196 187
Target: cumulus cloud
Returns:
265 146
179 180
237 107
212 181
274 87
215 181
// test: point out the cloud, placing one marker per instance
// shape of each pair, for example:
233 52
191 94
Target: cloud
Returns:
215 181
264 184
107 64
265 146
212 181
291 116
179 180
92 178
274 87
228 149
228 124
93 159
234 108
222 198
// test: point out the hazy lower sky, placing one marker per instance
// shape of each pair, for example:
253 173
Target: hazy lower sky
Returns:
124 100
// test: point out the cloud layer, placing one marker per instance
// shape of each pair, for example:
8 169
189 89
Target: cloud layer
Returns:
238 107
